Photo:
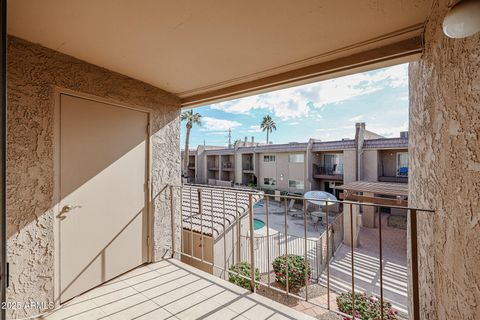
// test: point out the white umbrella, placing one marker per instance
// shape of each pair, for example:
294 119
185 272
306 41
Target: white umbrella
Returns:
320 198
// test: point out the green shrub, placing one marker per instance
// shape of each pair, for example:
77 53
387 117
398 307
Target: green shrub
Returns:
297 270
366 307
242 268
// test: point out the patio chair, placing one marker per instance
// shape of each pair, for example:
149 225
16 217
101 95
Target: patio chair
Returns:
291 210
403 171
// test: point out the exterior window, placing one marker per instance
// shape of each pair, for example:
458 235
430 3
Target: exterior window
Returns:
333 163
269 158
297 157
269 181
296 184
402 164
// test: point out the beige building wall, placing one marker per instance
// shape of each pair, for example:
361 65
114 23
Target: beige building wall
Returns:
445 170
349 165
238 168
369 165
33 74
282 170
266 170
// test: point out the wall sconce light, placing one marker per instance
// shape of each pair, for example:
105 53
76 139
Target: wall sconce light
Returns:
463 19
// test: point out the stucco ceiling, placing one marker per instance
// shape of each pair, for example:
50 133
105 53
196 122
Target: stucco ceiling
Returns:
190 46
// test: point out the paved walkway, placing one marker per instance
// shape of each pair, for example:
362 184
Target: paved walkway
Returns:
170 289
367 266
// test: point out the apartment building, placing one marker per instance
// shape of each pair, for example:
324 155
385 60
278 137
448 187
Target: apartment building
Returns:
299 167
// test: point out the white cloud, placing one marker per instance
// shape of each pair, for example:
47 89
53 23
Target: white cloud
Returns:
293 123
348 87
357 118
299 101
254 129
284 104
214 124
326 129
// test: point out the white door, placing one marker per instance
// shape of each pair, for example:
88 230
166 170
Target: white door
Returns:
103 212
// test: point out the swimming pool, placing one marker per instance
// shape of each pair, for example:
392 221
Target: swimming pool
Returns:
258 224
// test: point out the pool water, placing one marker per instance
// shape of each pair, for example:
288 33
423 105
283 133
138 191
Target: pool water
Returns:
258 224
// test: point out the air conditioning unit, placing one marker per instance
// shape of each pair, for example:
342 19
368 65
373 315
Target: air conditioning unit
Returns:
332 184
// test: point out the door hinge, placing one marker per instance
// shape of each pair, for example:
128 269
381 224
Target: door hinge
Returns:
147 129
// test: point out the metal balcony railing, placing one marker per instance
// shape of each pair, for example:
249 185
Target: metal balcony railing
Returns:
328 170
396 179
227 165
212 212
247 167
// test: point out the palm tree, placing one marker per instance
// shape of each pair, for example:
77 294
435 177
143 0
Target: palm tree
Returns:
191 118
268 125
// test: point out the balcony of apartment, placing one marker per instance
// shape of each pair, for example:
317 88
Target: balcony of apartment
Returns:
191 163
192 284
213 163
407 31
247 163
248 169
228 163
228 166
328 172
170 289
393 166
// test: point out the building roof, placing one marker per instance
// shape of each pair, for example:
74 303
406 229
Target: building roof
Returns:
382 188
380 143
386 143
191 152
286 147
215 201
246 149
220 151
333 145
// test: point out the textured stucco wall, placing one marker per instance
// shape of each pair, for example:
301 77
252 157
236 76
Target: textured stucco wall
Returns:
33 71
445 170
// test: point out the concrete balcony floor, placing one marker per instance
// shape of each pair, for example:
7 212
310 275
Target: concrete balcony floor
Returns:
170 289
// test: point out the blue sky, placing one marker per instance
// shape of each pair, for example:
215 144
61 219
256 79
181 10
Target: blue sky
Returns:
325 110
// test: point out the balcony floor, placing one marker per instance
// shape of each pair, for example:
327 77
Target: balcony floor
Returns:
170 289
